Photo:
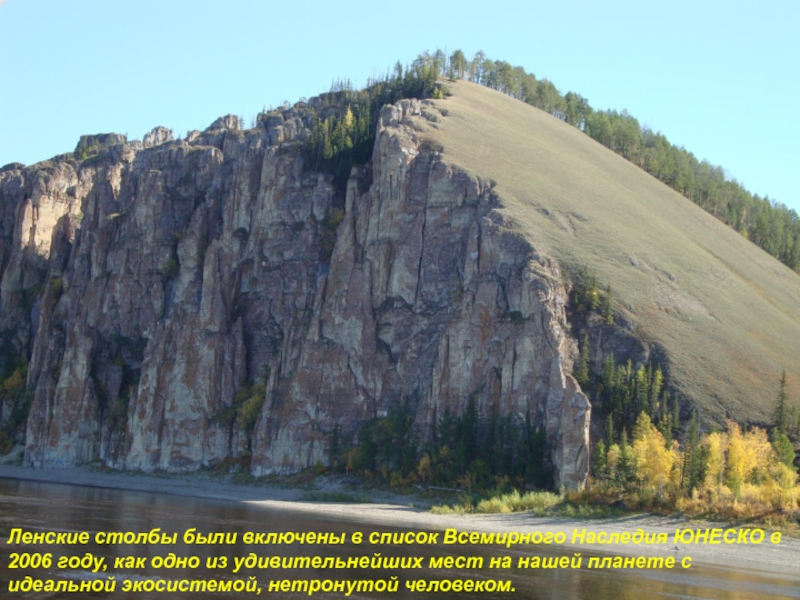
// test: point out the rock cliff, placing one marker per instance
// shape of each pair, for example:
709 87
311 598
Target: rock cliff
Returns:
150 283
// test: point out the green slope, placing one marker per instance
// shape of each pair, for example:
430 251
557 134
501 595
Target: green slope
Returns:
726 312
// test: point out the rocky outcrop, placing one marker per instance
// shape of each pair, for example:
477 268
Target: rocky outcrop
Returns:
150 283
156 137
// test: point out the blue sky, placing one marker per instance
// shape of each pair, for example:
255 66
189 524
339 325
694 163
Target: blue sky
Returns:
720 78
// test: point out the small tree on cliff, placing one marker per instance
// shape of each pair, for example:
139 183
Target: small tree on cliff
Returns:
582 366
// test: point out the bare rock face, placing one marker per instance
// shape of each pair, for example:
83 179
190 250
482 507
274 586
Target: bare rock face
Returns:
228 122
149 285
156 137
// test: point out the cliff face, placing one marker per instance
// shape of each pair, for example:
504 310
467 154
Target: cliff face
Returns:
150 283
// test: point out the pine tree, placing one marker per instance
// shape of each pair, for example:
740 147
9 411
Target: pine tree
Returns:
692 471
610 437
582 366
467 444
607 381
664 419
794 420
780 416
642 392
642 427
627 469
492 443
656 382
599 460
783 448
607 306
581 286
327 146
676 414
594 296
797 427
333 448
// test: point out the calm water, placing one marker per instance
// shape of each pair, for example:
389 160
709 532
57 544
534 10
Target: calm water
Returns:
36 506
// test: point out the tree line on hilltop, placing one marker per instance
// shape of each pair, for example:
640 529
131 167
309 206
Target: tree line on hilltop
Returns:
767 223
343 122
342 139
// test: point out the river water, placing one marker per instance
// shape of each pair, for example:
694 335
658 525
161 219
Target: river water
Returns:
38 507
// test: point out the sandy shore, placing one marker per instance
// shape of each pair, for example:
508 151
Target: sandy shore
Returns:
396 511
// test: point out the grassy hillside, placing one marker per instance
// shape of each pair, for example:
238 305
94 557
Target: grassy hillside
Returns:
726 312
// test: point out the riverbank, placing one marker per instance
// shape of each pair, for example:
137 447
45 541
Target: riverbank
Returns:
395 510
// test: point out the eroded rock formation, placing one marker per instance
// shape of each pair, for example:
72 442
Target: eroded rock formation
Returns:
150 282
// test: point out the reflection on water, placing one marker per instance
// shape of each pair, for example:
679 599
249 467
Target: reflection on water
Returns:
37 506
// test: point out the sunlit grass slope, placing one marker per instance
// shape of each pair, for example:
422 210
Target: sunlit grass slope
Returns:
727 313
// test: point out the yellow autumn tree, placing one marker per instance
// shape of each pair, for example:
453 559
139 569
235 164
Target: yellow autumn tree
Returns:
716 444
778 488
749 457
348 119
612 461
656 461
425 469
739 460
763 453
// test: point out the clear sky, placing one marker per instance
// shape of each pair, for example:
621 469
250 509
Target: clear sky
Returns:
720 78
